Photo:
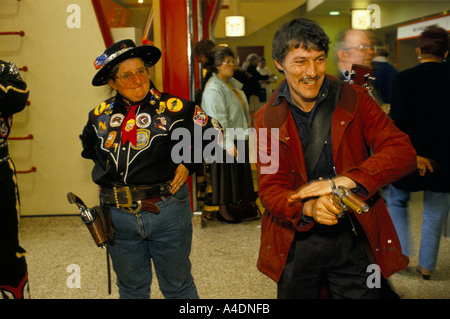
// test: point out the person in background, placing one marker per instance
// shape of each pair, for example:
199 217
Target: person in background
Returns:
202 50
420 107
13 266
252 88
266 85
308 241
224 100
131 137
353 47
383 72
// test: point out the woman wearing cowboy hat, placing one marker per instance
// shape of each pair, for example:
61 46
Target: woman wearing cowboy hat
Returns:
142 183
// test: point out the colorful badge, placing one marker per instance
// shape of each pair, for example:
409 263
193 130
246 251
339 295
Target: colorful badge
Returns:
3 128
174 104
200 116
156 94
143 120
116 120
100 109
103 121
216 124
161 123
129 125
110 140
162 107
142 139
110 108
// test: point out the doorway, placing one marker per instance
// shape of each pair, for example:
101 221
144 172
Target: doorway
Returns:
243 52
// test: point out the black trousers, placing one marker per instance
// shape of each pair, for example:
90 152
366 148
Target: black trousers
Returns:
13 267
327 256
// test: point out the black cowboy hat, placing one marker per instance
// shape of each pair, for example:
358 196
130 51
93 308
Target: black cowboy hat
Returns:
119 52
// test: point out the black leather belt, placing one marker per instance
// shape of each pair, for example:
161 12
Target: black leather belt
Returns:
127 196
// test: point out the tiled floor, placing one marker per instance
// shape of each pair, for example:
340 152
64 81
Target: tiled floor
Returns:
223 257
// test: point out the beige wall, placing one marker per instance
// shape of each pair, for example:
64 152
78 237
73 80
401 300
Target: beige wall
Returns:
60 62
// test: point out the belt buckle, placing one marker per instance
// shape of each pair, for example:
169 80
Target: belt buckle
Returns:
127 206
127 192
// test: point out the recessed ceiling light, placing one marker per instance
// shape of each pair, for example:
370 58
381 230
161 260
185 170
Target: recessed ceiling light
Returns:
140 1
334 13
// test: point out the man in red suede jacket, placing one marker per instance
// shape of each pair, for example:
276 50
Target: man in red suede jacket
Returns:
305 244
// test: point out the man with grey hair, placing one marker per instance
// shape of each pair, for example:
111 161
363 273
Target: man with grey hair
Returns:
354 47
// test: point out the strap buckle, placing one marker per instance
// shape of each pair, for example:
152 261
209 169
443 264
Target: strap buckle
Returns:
129 200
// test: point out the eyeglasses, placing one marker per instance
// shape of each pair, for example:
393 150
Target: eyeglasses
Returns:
127 78
362 47
229 62
377 48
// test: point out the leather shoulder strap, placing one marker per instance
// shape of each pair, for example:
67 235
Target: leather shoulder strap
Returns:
321 126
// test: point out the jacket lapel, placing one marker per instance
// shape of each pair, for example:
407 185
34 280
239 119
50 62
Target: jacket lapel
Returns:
342 116
280 117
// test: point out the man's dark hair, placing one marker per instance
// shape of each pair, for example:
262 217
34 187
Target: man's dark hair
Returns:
204 47
299 33
434 41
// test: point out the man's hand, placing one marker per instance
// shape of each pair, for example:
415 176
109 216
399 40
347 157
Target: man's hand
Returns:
181 175
320 188
424 164
322 209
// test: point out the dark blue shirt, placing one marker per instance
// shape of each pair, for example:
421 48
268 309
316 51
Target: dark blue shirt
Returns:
303 121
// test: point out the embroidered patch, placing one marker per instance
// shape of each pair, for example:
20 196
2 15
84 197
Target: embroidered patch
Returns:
129 125
155 97
103 121
143 120
116 120
100 109
110 140
200 116
156 94
109 108
3 127
174 104
216 124
143 138
160 123
162 107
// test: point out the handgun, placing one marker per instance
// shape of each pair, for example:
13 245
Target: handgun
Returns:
347 200
92 220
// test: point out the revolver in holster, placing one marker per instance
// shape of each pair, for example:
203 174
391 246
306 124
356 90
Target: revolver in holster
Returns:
96 219
347 200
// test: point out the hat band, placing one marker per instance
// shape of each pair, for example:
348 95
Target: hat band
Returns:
116 54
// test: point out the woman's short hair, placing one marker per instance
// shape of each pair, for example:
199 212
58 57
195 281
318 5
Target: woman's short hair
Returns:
218 55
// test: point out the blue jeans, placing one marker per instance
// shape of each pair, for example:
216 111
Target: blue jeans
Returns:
164 238
435 209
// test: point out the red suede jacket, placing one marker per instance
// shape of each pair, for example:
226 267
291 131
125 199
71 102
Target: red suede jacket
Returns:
358 125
